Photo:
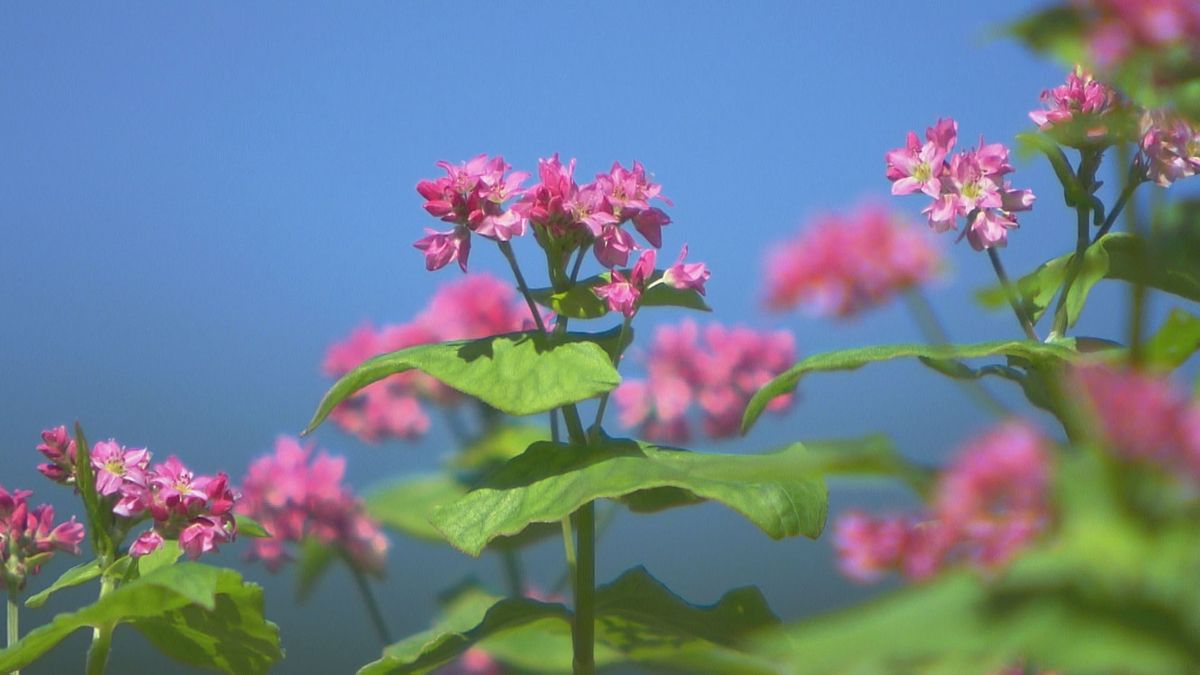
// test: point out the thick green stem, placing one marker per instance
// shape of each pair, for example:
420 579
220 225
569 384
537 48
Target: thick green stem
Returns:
14 622
1059 328
1011 293
368 596
507 251
583 632
97 656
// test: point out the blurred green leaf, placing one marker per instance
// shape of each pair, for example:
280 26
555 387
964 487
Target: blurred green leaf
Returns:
313 559
405 505
249 527
580 301
516 373
79 574
206 590
852 359
637 619
1175 342
550 481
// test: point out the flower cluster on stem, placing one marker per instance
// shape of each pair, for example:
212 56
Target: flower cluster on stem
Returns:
29 538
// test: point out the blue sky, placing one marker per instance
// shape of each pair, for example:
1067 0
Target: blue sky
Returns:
196 199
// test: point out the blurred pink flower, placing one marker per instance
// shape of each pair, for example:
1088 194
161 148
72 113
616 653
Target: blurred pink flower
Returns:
1170 148
1078 111
717 370
843 264
295 499
1115 29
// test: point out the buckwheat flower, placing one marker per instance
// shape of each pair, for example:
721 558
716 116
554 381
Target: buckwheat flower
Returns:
1116 29
196 511
867 547
118 469
146 543
623 293
297 499
843 264
441 248
58 447
29 538
613 246
1078 113
686 275
918 167
1170 148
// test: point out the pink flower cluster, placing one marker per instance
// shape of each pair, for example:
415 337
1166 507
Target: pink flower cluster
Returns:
718 370
296 499
29 538
971 184
1118 28
472 196
475 306
1170 148
623 292
989 503
1079 112
1144 417
843 264
197 511
58 447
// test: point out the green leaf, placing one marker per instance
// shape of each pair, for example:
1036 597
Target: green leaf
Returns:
1116 256
852 359
249 527
157 594
580 301
1175 342
550 481
405 505
637 619
312 563
498 446
167 554
516 373
231 636
79 574
85 482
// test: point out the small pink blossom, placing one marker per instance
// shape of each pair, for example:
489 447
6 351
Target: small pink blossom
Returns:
1170 148
295 498
623 293
29 537
118 469
842 265
613 246
441 248
147 542
918 167
716 370
1078 112
58 447
687 275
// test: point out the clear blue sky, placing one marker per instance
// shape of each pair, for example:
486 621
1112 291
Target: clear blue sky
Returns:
196 199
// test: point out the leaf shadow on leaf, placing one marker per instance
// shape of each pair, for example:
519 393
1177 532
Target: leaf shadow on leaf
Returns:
546 459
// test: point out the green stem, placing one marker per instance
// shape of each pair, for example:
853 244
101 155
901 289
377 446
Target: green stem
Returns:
569 548
97 656
935 333
1137 299
616 362
512 572
1059 328
1011 293
14 622
583 631
364 589
507 251
1130 185
578 264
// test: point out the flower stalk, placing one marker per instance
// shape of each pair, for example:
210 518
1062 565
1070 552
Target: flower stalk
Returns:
13 623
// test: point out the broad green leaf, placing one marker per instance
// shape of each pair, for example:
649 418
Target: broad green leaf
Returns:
501 445
249 527
165 556
1175 342
550 481
580 301
156 594
516 373
852 359
1175 269
232 636
405 505
312 562
637 620
79 574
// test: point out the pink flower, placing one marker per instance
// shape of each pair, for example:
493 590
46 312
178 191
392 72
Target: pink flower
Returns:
29 537
623 293
1116 29
147 542
717 371
118 469
918 167
442 247
295 499
690 275
613 246
201 535
971 184
844 264
1078 113
59 448
1170 148
989 504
